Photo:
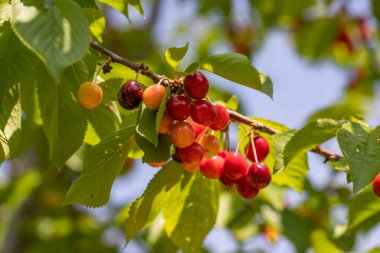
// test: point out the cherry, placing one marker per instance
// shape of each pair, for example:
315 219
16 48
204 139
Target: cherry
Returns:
210 145
245 189
157 164
262 149
192 153
226 180
90 95
376 185
235 165
222 118
176 157
203 112
178 107
222 153
212 167
196 86
259 175
153 95
182 135
166 124
190 167
198 128
130 95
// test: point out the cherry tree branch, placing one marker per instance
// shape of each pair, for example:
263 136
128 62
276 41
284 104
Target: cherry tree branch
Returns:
234 116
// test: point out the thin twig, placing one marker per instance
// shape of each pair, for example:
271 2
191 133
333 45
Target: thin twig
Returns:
234 116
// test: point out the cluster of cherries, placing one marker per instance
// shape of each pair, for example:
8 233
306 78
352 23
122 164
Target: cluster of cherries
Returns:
189 119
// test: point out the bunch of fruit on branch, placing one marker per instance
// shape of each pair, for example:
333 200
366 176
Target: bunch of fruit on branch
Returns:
191 119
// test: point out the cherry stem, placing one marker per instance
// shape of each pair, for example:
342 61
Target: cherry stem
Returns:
253 145
100 69
242 138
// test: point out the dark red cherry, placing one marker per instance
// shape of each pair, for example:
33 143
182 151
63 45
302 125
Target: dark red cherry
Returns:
259 175
226 180
192 153
246 189
196 86
178 107
376 185
130 95
203 112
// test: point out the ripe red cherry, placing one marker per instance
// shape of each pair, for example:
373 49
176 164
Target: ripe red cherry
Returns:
130 95
221 119
376 185
212 167
196 86
262 149
226 180
245 189
222 153
203 112
259 175
235 165
192 153
176 157
198 128
178 107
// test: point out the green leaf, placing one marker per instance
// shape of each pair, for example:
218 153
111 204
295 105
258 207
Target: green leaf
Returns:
297 229
122 5
56 32
104 120
361 147
5 11
190 70
237 68
191 217
376 9
64 119
152 153
10 122
309 137
110 89
15 59
323 243
143 211
174 55
161 110
233 103
102 164
364 207
146 127
295 173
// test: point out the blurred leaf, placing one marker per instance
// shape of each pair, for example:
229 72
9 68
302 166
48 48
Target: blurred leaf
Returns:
233 103
174 55
58 44
237 68
122 5
361 147
102 164
196 206
158 153
376 9
309 137
363 207
297 229
145 209
322 243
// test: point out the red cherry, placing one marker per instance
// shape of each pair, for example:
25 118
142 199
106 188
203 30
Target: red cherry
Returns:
130 95
178 107
196 86
245 189
192 153
259 175
222 118
198 128
212 167
376 185
203 112
222 153
235 165
262 149
226 180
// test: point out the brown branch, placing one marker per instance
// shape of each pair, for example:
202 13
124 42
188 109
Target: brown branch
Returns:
234 116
